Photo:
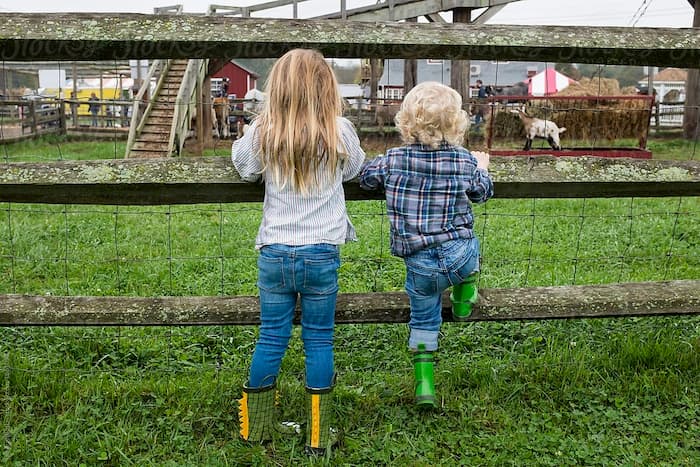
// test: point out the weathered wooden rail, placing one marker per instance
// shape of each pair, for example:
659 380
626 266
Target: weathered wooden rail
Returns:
91 36
214 180
31 118
590 301
82 37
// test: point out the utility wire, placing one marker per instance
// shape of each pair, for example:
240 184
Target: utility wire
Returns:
620 17
640 12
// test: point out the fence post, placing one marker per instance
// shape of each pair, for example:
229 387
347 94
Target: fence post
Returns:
32 111
62 117
657 117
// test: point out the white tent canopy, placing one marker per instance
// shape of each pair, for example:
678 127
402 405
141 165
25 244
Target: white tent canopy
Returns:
547 82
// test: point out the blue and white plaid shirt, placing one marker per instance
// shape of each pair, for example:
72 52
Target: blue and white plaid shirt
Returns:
428 194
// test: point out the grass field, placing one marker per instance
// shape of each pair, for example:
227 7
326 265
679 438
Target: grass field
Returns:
583 392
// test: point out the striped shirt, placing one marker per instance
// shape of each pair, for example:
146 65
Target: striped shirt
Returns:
290 218
428 194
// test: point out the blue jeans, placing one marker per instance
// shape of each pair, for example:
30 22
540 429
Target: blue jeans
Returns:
285 273
428 273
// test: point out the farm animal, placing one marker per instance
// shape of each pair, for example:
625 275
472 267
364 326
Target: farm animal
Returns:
214 123
538 128
674 95
519 89
253 105
220 114
254 100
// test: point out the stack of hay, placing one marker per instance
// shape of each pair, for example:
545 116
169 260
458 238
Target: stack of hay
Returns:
605 116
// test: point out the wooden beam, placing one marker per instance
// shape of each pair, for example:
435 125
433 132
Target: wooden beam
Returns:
583 301
224 10
376 67
273 4
460 76
213 180
86 37
410 69
488 14
392 10
691 113
435 18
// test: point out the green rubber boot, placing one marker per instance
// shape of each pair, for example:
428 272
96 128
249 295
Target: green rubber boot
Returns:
425 382
256 413
464 296
320 436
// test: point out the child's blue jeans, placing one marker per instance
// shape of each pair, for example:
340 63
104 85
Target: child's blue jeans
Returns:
285 273
430 272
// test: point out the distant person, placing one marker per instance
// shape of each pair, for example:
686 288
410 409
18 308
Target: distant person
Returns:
482 93
302 150
224 87
430 184
94 108
74 108
110 116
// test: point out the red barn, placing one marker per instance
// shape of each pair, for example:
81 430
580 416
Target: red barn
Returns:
241 79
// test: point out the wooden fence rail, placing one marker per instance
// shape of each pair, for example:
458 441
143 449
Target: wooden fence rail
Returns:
589 301
667 115
91 36
26 119
214 180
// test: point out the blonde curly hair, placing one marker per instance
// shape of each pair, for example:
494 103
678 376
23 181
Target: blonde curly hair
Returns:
431 113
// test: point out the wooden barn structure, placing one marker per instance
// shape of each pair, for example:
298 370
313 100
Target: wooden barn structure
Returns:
241 79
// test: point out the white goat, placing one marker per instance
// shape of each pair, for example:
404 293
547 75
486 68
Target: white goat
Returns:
538 128
254 101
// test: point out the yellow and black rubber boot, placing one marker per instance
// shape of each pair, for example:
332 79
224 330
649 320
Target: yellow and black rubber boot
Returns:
320 437
256 413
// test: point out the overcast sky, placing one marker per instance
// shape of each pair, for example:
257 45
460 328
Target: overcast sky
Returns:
650 13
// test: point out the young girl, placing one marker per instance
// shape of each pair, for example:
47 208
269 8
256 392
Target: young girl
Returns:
430 184
303 150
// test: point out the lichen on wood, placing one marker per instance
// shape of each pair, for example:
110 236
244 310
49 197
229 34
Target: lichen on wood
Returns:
93 36
563 302
214 180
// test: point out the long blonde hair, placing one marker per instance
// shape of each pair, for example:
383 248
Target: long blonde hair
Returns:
299 140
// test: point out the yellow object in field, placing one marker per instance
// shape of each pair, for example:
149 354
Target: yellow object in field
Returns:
83 95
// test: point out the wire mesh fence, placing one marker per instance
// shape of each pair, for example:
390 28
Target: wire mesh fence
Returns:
203 250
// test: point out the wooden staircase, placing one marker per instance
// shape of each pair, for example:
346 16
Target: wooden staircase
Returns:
153 134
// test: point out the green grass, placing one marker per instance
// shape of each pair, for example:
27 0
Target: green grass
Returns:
547 393
674 148
61 147
578 392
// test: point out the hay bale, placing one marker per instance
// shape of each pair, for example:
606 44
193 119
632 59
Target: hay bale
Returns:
505 124
587 120
594 87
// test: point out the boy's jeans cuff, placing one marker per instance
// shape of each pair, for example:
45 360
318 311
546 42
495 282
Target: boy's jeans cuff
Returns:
420 336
